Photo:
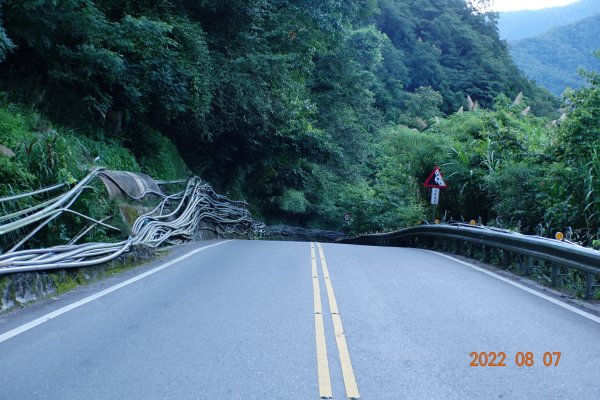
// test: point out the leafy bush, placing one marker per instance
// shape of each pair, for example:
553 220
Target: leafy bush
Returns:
293 201
158 157
46 155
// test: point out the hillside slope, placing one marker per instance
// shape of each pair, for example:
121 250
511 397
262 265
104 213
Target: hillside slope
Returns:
516 25
283 103
552 59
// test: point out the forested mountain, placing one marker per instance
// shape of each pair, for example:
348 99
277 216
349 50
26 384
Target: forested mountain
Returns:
552 59
515 25
308 109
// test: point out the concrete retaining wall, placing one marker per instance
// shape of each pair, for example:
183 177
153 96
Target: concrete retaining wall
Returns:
17 290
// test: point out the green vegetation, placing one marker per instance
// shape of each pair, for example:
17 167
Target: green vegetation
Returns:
46 154
553 58
306 109
43 155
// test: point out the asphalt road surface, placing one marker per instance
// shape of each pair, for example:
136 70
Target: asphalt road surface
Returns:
287 320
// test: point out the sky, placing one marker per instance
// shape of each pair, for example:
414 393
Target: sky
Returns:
512 5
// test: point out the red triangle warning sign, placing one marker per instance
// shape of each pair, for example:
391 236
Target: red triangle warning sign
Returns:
436 179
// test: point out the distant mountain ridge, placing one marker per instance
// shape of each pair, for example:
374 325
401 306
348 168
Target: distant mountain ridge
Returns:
515 25
552 59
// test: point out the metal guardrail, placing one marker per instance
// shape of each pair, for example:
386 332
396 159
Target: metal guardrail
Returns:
174 220
558 254
285 232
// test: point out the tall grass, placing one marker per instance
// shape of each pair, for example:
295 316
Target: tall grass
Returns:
592 194
45 155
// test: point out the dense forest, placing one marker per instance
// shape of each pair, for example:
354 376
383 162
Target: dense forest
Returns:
553 58
308 109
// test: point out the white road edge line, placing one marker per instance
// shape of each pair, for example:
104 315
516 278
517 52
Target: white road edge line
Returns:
525 288
45 318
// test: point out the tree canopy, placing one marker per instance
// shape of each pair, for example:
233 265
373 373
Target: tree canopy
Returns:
308 109
552 59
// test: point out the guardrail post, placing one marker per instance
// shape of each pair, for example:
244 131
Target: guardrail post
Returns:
528 266
555 274
505 259
590 283
484 253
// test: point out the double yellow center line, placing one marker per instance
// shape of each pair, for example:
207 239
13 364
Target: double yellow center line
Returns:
325 391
